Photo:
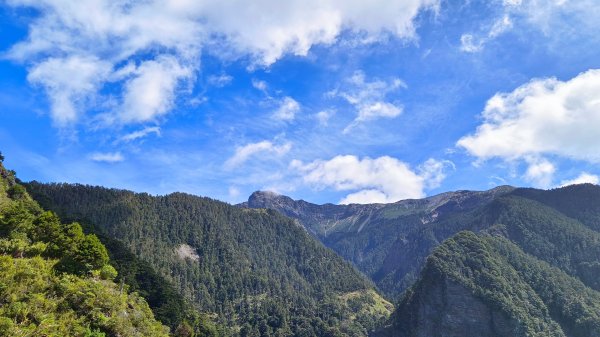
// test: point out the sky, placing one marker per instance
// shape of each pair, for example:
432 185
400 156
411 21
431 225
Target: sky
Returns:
323 100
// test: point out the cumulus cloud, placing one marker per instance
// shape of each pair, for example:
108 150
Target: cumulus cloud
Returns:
168 37
151 93
70 83
544 116
540 172
287 110
379 180
269 29
109 157
243 153
583 178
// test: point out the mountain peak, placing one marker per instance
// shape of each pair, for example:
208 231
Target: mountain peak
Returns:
268 199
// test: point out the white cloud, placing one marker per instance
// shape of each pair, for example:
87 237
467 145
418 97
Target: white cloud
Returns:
260 85
369 98
243 153
542 117
70 82
269 29
545 117
540 172
110 157
169 37
151 93
141 133
288 108
470 43
563 22
378 109
323 116
220 80
583 178
434 171
556 16
380 180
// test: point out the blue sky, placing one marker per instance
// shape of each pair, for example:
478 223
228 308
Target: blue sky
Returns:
329 101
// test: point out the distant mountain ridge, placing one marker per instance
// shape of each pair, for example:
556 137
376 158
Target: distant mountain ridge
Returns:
504 262
323 220
373 236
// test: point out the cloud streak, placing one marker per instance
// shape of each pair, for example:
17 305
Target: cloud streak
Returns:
109 157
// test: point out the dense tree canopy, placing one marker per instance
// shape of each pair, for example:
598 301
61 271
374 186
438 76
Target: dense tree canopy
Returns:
57 281
258 272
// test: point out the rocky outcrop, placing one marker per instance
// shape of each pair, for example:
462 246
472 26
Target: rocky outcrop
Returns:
445 308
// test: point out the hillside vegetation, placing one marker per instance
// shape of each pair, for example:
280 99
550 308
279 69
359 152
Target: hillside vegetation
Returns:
258 272
532 270
57 281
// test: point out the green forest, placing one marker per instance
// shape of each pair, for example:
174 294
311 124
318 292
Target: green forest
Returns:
57 281
255 272
80 260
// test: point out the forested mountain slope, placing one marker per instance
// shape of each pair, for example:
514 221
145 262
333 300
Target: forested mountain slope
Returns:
484 285
258 271
57 281
504 262
388 242
532 270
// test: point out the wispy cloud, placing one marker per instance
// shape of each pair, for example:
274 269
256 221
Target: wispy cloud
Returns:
141 134
220 81
109 157
369 98
245 152
70 82
472 43
323 116
287 110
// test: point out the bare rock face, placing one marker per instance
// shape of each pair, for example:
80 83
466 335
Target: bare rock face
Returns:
187 252
450 310
442 307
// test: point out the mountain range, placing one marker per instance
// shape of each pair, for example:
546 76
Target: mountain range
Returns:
504 262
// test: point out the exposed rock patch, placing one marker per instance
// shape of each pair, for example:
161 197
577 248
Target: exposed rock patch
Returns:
187 252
